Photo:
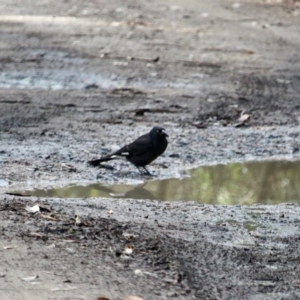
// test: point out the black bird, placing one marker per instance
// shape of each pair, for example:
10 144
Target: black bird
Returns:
142 151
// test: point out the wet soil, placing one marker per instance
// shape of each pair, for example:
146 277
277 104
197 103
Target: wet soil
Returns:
79 80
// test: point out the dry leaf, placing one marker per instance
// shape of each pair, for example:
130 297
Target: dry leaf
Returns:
138 272
29 278
78 220
32 209
120 63
7 247
63 288
133 298
243 118
128 249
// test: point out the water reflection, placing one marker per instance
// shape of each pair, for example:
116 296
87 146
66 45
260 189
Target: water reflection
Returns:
260 182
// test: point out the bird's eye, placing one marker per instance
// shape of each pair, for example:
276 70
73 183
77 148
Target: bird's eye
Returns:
158 131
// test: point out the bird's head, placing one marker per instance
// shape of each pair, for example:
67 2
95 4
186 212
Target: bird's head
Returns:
159 131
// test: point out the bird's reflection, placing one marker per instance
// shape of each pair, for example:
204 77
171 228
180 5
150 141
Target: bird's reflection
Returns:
137 192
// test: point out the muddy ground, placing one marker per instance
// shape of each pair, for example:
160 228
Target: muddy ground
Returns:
79 79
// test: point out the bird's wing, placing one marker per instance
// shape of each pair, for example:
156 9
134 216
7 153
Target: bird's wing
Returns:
138 147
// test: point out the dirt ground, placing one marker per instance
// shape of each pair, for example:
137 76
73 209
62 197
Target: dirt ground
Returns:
81 78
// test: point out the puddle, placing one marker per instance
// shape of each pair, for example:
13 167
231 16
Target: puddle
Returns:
268 182
248 225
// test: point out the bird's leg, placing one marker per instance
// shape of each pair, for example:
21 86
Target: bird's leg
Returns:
147 172
144 173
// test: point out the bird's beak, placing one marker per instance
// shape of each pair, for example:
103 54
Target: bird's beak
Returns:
163 133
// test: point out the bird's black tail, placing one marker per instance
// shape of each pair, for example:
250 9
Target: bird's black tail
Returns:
97 162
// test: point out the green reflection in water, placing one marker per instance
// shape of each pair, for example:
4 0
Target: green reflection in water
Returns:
248 225
258 182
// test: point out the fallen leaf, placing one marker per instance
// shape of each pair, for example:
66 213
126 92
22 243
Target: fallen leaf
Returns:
78 220
29 278
120 63
32 209
7 247
133 298
242 119
138 272
102 298
249 52
63 288
128 249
